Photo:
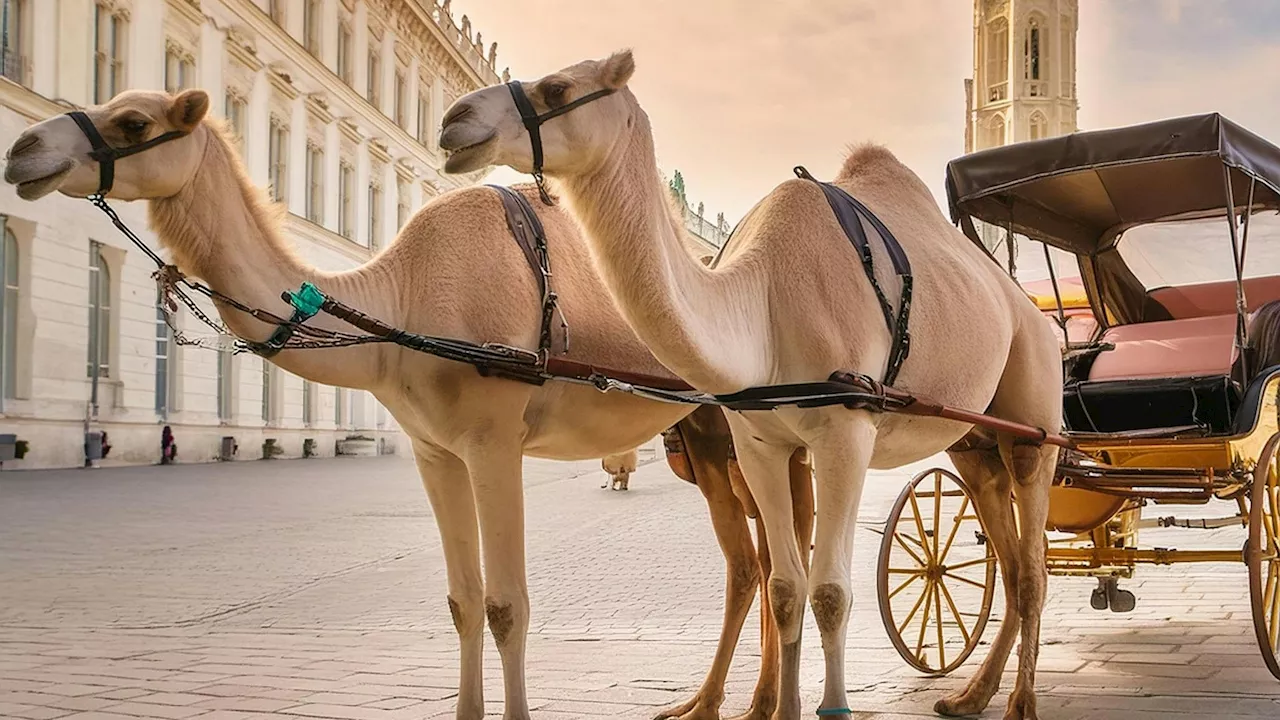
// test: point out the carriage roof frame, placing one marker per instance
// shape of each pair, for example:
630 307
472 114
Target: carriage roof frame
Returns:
1080 192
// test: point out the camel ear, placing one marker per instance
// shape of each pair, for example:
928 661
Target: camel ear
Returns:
617 69
188 109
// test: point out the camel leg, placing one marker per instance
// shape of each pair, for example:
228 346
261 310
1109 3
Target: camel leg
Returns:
449 490
497 479
707 452
842 454
992 490
1032 468
762 465
765 698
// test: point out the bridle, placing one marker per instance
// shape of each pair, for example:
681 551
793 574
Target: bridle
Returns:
171 281
106 155
533 121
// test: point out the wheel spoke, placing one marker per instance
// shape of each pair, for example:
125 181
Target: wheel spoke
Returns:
942 644
906 571
915 608
904 585
924 623
937 513
902 541
951 603
955 527
966 580
984 560
911 493
1273 580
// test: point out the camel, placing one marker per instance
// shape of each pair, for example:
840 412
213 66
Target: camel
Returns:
453 271
788 301
619 468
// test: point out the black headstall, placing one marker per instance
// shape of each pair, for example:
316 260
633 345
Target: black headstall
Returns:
533 121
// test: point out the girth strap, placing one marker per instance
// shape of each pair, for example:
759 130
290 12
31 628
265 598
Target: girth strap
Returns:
850 213
529 234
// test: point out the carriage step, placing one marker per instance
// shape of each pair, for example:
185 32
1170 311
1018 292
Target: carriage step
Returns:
1109 595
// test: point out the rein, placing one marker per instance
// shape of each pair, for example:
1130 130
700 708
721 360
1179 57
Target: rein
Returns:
852 390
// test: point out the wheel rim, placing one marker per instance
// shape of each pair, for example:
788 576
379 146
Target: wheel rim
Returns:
936 576
1263 553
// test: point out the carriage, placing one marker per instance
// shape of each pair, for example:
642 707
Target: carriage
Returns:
1163 400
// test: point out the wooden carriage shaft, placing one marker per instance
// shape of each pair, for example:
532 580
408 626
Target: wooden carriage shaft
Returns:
1083 558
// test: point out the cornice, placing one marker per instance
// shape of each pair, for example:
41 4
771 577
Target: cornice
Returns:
256 23
27 103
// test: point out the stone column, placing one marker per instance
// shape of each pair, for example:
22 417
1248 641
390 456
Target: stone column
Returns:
44 55
75 62
329 34
411 97
332 175
437 110
257 124
144 61
360 49
362 194
297 168
388 55
209 71
390 203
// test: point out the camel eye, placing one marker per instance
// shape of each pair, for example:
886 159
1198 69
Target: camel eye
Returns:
553 94
133 127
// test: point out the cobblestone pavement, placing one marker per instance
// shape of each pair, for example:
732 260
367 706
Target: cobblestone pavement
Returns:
316 589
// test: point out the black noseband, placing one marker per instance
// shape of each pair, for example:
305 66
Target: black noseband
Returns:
533 121
106 156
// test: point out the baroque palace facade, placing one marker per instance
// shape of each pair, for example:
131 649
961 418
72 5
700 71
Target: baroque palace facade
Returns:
336 103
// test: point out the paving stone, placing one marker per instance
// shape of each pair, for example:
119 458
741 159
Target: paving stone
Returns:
318 591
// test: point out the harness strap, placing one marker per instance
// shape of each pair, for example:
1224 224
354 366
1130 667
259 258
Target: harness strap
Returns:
529 234
533 122
851 213
106 156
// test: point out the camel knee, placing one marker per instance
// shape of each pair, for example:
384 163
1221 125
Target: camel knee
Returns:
787 606
830 607
744 575
467 619
505 618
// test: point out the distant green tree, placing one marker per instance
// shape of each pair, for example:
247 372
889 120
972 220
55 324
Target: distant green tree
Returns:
677 189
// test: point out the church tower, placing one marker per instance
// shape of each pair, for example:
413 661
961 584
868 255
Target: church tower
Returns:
1024 72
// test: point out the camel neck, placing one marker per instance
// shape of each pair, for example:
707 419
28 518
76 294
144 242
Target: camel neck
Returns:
221 231
702 324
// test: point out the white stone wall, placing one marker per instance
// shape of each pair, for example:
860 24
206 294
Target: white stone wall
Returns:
235 46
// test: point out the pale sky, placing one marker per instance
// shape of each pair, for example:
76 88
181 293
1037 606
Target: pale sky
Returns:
740 91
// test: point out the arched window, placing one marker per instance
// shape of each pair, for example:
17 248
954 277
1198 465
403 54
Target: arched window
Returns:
997 59
9 310
1033 51
99 313
1038 126
994 132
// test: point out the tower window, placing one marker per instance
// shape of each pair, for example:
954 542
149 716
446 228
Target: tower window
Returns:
1033 52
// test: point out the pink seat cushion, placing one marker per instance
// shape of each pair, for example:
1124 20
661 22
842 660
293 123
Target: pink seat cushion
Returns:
1171 348
1216 298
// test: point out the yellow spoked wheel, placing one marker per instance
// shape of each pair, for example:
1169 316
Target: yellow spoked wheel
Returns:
1263 553
937 573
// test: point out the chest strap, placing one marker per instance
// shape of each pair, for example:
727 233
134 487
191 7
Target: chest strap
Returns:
850 213
529 234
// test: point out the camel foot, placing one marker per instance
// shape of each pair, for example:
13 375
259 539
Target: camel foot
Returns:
758 711
1022 706
965 702
695 709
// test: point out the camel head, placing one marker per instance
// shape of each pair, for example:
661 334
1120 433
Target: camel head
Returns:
57 154
577 114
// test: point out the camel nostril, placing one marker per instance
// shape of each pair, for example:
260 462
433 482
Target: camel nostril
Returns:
457 112
23 143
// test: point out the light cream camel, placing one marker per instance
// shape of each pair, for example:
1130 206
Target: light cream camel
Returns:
788 302
454 271
619 468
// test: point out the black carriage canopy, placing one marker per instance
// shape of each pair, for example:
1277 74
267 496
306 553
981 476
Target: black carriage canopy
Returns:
1080 192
